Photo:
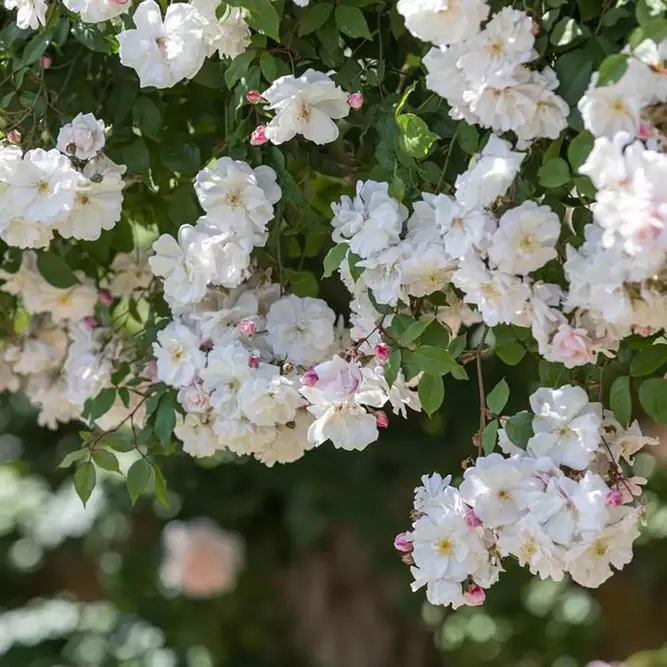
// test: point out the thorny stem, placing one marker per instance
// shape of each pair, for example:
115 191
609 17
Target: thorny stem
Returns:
482 393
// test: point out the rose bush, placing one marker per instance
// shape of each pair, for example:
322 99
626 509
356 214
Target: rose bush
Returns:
250 228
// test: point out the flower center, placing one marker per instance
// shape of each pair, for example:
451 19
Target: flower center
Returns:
600 548
528 550
177 354
304 113
504 495
489 291
82 199
527 243
42 186
495 48
445 546
233 199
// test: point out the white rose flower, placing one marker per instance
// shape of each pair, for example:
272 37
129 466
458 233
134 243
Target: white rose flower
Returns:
178 356
83 137
197 436
31 13
229 35
96 11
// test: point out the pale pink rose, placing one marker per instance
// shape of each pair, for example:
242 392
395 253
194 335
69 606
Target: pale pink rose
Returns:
193 397
382 352
253 96
572 347
474 595
258 136
200 559
614 498
337 379
355 100
403 543
14 137
247 327
381 419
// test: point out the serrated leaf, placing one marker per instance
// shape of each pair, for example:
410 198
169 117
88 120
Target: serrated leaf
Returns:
413 331
467 137
490 436
90 36
263 18
165 419
139 478
519 428
351 21
653 398
392 367
431 392
117 443
554 173
84 481
160 486
435 334
510 351
36 47
612 69
648 360
434 360
414 135
457 346
238 67
655 30
102 403
579 149
55 270
147 116
334 258
106 460
566 31
74 456
498 397
620 399
313 17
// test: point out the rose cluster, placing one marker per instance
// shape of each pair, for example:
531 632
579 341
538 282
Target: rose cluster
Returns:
564 504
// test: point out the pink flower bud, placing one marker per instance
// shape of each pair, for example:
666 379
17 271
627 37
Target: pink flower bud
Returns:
89 323
382 351
381 419
614 498
150 370
645 130
355 100
309 378
46 62
105 297
403 543
253 97
253 361
472 520
258 136
247 327
474 595
14 137
408 559
534 28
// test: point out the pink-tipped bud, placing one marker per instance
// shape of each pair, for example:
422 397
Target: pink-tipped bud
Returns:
645 130
14 137
381 419
247 327
408 559
614 498
105 297
355 100
253 361
258 136
150 370
46 62
310 378
89 323
382 352
403 544
253 96
472 520
474 595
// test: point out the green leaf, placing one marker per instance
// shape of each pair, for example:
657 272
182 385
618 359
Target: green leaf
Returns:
55 270
413 331
165 419
414 136
620 399
147 116
36 47
554 173
303 283
268 67
136 156
102 403
106 460
333 259
181 156
392 367
574 70
355 271
498 396
238 67
579 149
313 17
519 428
648 10
435 334
648 360
90 36
566 31
435 360
612 69
655 30
84 481
551 374
160 486
117 443
490 436
458 345
263 18
139 478
507 347
351 21
73 457
653 398
431 392
468 137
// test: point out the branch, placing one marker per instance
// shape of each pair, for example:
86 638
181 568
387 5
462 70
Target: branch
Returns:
482 393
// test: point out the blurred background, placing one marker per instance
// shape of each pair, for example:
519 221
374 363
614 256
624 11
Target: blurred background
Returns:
306 572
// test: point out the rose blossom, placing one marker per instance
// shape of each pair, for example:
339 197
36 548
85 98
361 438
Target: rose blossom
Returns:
258 136
253 96
309 378
382 419
355 100
614 498
105 297
474 595
247 327
13 136
200 560
382 351
572 347
403 543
